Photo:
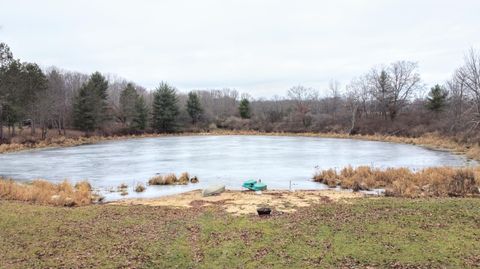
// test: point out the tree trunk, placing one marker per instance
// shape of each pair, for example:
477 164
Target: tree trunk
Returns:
44 130
32 126
354 119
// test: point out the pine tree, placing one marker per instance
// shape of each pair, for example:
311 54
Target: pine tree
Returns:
90 104
84 112
194 107
128 101
35 84
11 88
99 86
244 109
437 98
141 114
165 109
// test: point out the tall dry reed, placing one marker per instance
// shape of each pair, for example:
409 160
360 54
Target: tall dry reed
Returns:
170 179
44 192
402 182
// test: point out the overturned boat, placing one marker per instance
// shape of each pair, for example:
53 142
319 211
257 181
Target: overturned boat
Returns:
213 190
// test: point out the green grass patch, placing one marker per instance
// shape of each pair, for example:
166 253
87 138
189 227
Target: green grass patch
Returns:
385 232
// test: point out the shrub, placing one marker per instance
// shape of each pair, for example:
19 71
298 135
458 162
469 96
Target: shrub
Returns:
402 182
328 177
171 179
156 180
184 178
140 188
44 192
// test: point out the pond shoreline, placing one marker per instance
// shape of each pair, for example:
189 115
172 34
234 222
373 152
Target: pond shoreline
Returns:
430 141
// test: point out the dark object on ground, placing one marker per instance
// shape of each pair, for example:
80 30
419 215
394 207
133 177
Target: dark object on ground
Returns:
264 211
194 179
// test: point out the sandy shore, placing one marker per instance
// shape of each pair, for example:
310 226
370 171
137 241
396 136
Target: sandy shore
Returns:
246 202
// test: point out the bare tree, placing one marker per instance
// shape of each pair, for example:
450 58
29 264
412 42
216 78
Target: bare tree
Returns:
380 88
405 81
334 89
469 76
302 98
393 86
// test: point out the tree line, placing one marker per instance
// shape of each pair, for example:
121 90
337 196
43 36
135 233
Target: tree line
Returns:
389 99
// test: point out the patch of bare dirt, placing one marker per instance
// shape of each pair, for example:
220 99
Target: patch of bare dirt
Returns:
247 202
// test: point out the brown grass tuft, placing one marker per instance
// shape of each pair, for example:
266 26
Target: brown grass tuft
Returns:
402 182
170 179
44 192
328 177
140 187
184 178
156 180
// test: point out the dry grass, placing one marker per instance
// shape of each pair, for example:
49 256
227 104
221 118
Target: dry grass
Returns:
184 178
170 179
44 192
140 187
402 182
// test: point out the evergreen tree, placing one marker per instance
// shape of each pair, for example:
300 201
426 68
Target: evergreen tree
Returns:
165 109
437 98
35 85
141 114
128 101
84 114
90 104
244 109
6 55
11 89
99 86
194 107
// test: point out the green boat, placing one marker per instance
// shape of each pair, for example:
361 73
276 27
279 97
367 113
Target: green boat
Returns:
259 186
249 183
254 185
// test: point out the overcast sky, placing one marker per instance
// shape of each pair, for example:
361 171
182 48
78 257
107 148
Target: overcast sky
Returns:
259 47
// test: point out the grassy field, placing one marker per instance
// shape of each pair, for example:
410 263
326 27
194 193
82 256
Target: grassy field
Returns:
378 232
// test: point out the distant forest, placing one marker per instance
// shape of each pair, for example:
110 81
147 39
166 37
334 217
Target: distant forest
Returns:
389 99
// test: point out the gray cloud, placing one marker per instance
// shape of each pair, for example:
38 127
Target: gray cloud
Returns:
260 47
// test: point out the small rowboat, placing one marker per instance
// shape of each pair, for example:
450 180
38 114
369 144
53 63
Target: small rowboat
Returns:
213 190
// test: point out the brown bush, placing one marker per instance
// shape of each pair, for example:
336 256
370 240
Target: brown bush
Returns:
44 192
328 177
140 188
169 179
402 182
156 180
184 178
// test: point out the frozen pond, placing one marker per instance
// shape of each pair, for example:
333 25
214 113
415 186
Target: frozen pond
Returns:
228 160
